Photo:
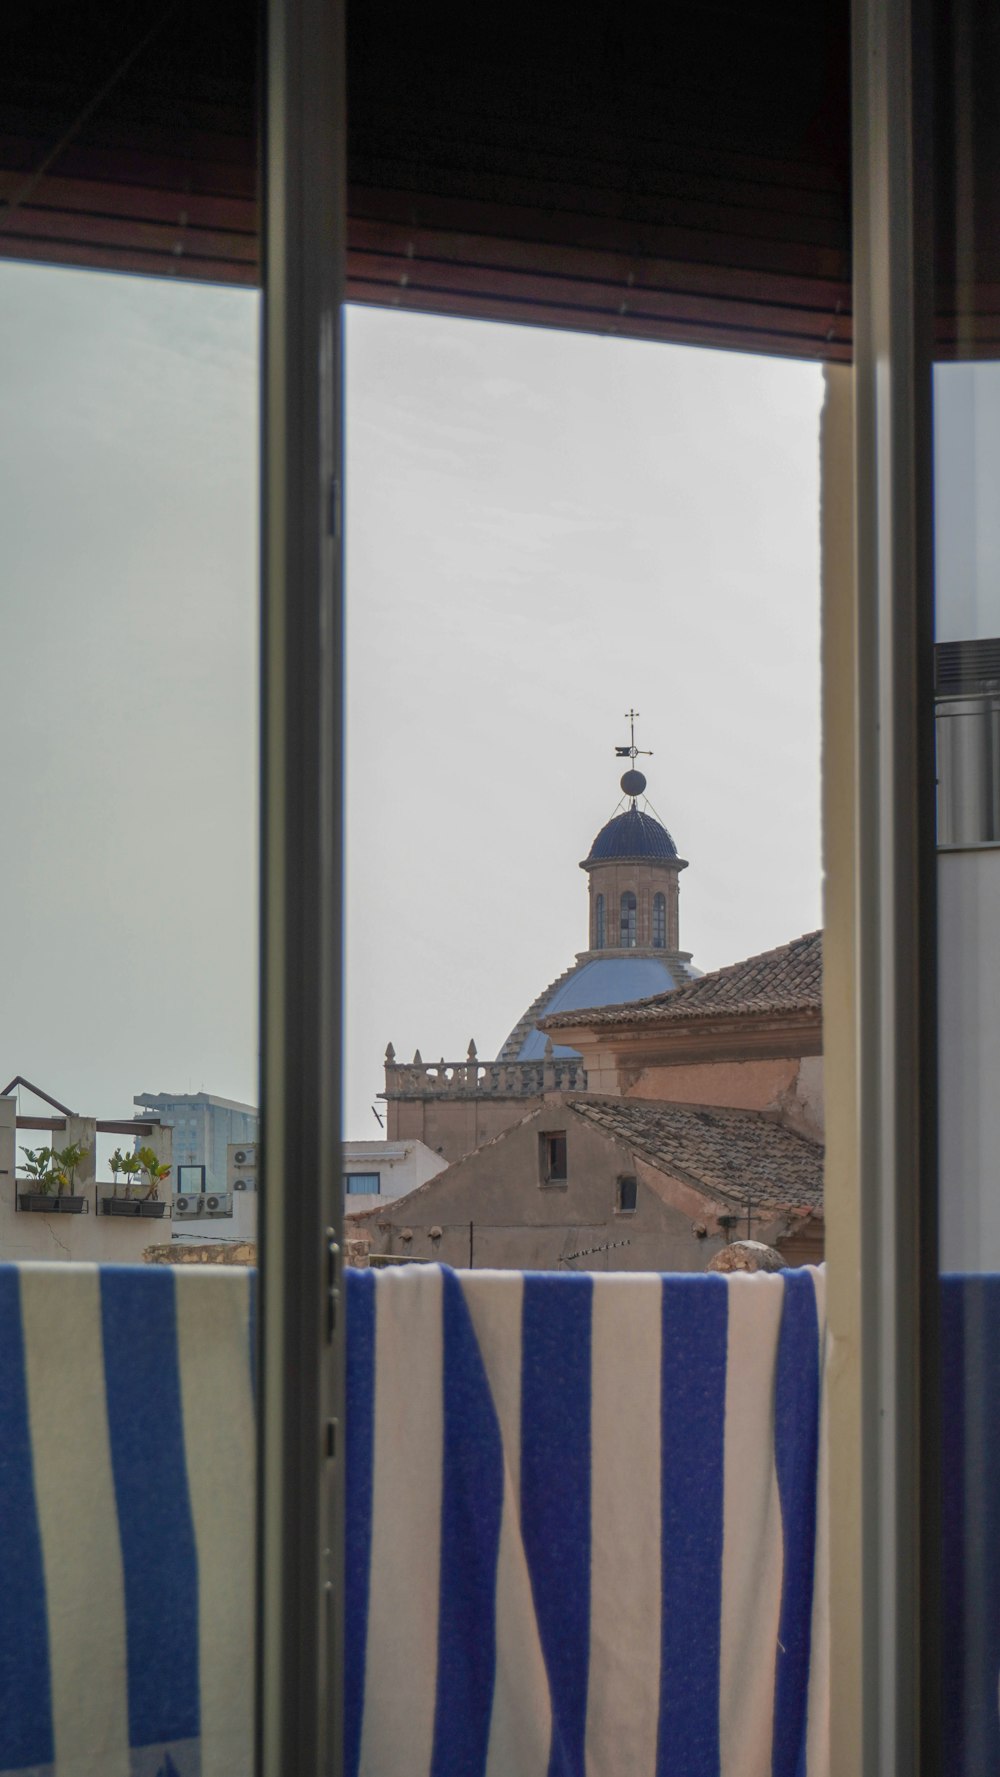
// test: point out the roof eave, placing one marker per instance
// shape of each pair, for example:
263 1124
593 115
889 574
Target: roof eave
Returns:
791 1031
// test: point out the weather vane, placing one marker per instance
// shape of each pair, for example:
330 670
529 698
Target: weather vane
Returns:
633 781
632 751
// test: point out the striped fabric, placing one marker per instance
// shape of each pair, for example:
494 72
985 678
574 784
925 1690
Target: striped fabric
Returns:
126 1521
584 1525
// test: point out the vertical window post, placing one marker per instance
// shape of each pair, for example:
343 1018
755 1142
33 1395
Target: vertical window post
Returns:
894 879
300 1519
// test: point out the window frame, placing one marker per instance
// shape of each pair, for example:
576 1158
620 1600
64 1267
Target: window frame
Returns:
352 1188
549 1179
880 933
300 1534
628 920
626 1209
878 923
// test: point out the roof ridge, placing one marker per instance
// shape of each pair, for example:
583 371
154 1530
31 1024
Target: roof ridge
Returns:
762 977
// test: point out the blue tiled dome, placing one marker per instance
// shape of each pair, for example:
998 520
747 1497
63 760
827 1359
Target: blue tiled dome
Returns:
632 835
602 981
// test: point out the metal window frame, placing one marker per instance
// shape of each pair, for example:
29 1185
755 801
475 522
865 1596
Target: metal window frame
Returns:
894 889
301 1513
349 1181
300 1369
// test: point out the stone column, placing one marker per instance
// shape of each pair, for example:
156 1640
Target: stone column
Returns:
84 1131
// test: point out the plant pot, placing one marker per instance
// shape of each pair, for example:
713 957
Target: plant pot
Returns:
48 1204
121 1206
151 1208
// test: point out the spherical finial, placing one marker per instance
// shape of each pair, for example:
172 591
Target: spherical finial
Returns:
633 783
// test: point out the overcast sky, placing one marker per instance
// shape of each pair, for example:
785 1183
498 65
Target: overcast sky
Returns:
543 530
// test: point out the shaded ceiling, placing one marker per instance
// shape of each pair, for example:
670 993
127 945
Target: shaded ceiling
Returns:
678 174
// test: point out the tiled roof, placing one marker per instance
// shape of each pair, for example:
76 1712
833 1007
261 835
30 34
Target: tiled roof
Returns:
788 979
740 1156
632 835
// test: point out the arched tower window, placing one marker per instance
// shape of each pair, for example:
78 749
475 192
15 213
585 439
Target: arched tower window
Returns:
659 922
599 923
628 920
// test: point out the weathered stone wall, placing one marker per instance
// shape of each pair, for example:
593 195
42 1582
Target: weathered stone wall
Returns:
213 1252
792 1087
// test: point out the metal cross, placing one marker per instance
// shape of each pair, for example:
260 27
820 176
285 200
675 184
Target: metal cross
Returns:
632 751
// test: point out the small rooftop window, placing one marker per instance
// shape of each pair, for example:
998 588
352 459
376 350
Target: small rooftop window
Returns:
552 1158
628 1191
362 1184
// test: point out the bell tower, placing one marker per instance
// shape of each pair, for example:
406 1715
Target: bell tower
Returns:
634 869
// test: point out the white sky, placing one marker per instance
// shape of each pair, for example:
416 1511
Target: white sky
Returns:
542 530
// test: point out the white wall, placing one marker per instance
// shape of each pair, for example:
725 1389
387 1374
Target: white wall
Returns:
25 1235
401 1166
967 570
966 508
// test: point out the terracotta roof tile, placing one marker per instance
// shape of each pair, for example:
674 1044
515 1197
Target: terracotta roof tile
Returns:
784 980
740 1156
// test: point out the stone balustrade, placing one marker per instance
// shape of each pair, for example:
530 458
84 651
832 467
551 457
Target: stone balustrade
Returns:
473 1078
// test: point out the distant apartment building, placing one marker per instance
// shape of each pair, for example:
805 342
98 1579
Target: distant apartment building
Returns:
77 1215
203 1217
204 1129
379 1171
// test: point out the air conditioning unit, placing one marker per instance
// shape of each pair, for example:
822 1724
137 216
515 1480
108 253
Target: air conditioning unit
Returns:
189 1206
217 1203
241 1166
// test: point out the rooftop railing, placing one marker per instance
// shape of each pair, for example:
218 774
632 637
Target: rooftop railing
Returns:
473 1078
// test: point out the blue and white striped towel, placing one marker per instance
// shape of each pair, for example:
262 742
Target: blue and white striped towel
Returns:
127 1462
585 1530
581 1527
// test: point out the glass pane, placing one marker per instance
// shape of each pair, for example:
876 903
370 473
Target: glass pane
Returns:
128 896
583 736
128 510
967 732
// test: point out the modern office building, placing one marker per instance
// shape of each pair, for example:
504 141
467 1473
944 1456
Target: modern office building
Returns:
204 1127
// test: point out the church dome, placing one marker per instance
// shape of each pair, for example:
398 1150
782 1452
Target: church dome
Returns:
612 980
631 835
634 941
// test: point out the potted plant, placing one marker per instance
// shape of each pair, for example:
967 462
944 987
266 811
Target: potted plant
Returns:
37 1165
64 1165
130 1166
52 1172
154 1172
137 1202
